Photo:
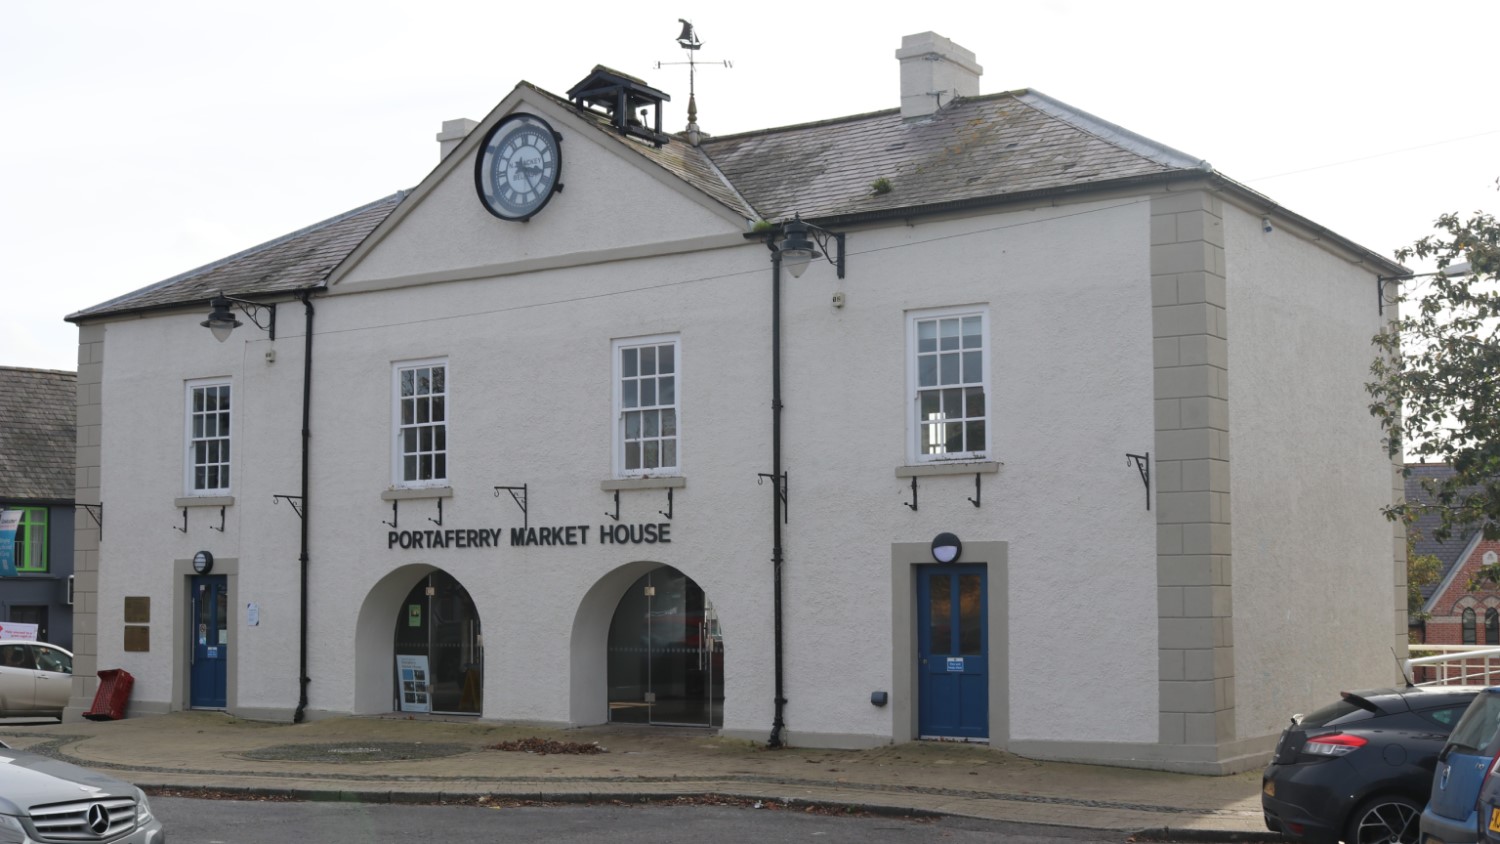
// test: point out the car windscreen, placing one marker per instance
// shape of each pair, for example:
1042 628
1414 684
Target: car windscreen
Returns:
1480 726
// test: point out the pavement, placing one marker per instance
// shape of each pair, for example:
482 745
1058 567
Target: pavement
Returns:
429 759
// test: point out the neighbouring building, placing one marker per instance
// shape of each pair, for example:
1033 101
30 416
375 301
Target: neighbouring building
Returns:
37 444
1043 434
1452 613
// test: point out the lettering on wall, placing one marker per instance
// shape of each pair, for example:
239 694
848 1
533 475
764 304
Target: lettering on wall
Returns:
609 534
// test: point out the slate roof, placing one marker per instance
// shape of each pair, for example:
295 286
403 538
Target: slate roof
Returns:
1450 553
38 434
974 150
291 262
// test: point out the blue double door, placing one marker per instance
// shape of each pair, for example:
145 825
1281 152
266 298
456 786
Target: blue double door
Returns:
953 652
209 628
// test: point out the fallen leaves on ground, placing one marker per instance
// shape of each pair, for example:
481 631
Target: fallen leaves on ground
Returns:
544 747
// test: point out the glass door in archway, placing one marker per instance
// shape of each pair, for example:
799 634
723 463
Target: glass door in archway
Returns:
438 625
666 654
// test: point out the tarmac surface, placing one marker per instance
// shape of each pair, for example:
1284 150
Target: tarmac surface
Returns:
419 759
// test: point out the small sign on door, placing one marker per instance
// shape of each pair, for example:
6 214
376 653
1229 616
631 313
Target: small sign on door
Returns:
955 663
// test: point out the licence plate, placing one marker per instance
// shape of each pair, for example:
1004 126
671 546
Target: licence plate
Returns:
1495 820
1270 790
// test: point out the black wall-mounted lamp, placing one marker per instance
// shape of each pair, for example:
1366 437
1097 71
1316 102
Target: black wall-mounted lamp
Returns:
221 319
800 245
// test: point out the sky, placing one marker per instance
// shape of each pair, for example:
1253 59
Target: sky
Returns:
144 139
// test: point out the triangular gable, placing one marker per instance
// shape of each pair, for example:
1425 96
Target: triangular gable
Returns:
616 202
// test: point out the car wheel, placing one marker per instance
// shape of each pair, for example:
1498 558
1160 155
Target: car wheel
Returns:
1391 819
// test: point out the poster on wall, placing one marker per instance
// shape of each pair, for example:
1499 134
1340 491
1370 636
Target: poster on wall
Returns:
10 522
17 630
411 686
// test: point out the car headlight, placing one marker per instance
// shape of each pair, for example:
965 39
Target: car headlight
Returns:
142 808
11 831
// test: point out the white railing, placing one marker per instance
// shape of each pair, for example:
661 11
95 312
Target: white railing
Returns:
1453 665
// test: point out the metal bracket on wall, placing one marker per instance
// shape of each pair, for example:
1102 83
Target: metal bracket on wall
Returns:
616 514
667 512
439 520
184 522
913 502
220 528
783 491
978 494
96 512
294 500
1143 463
395 514
521 501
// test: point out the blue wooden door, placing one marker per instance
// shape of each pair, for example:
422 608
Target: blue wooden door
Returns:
209 629
952 652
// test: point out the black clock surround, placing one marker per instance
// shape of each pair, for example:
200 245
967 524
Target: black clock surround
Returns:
519 167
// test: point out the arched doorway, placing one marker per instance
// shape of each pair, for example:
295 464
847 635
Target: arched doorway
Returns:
439 649
666 654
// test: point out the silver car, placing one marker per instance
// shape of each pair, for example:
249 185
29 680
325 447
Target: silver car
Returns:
43 800
35 679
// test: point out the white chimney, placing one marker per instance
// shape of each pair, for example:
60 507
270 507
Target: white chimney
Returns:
934 70
454 131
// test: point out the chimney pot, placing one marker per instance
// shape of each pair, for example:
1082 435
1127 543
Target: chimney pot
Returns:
453 134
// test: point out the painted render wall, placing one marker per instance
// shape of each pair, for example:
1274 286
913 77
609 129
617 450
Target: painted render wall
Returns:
146 365
530 368
1307 455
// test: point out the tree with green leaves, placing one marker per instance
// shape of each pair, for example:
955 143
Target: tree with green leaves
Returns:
1436 379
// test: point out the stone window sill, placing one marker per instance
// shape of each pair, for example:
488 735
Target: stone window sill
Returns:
423 492
927 470
205 501
673 482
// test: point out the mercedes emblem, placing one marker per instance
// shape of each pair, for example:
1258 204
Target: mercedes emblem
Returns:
98 819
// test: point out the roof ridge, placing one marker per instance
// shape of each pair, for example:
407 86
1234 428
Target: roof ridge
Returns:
35 369
228 259
1111 133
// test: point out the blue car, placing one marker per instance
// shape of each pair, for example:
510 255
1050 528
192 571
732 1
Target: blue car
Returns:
1465 766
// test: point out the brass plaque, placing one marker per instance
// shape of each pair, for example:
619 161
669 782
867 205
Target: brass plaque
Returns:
137 639
138 610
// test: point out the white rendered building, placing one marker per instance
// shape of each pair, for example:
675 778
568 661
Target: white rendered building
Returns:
557 437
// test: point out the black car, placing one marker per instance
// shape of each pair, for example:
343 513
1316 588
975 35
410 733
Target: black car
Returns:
1360 770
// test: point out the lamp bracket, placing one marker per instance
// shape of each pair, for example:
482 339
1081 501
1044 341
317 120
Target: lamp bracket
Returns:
294 500
783 491
220 528
96 512
184 521
439 520
821 236
395 514
1143 464
518 494
913 502
667 512
256 312
616 514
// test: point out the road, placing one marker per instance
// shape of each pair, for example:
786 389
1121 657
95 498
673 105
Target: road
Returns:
250 822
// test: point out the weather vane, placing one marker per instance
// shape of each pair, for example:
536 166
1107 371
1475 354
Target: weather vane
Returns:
690 42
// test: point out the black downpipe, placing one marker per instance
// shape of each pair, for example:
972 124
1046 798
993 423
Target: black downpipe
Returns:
778 723
302 678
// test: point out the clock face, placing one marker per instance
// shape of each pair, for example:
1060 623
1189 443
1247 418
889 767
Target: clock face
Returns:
518 167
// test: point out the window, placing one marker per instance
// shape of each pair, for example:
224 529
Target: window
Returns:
949 379
208 438
1468 626
1492 626
421 455
646 409
30 542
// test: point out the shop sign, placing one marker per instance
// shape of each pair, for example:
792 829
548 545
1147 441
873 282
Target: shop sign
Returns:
18 630
655 533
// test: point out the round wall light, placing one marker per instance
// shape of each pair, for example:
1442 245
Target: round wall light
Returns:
946 547
203 562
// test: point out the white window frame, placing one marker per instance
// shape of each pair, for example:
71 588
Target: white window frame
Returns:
617 349
398 452
190 461
914 427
